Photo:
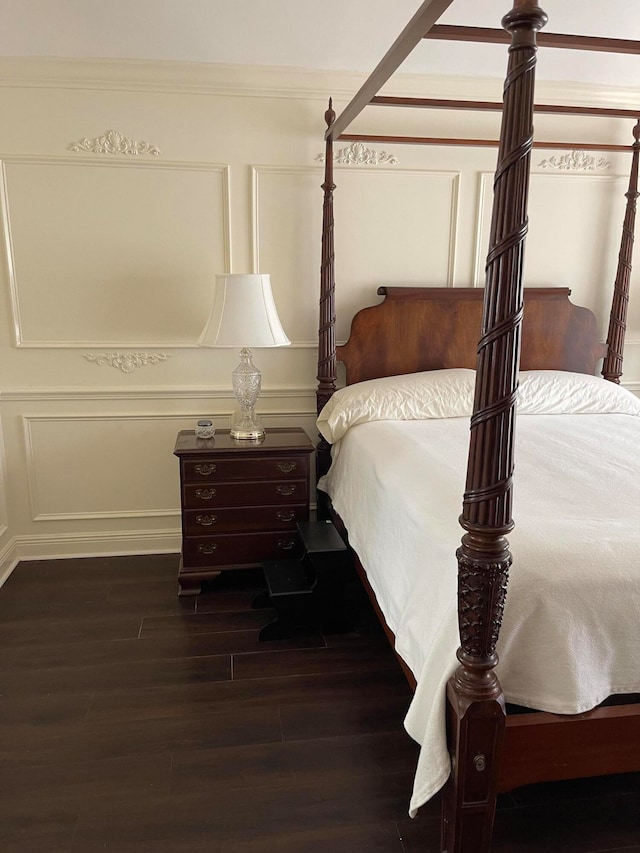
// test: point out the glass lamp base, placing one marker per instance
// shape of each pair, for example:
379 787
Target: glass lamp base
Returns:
247 381
247 430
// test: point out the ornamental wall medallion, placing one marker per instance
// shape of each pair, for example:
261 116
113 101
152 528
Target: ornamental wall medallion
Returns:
358 154
114 142
575 161
127 362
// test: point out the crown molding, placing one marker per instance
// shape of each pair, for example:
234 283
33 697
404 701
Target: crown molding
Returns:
276 82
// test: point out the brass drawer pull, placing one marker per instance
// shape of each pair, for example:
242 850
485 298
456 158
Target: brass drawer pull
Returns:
206 520
207 549
205 494
285 515
285 490
286 467
205 470
286 544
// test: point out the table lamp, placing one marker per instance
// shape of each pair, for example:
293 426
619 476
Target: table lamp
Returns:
244 315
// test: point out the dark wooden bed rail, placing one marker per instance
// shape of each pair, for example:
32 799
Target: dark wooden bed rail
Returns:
476 719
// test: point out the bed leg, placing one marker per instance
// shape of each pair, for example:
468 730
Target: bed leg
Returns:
475 732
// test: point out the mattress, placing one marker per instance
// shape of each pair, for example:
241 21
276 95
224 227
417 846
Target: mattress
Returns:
569 637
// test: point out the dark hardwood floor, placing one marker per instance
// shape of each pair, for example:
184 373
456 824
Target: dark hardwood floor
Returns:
136 721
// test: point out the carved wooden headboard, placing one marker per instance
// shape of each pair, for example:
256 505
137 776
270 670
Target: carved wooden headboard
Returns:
429 328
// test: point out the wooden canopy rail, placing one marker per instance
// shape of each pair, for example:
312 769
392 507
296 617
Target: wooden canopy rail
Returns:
425 20
496 106
486 35
489 106
477 143
538 746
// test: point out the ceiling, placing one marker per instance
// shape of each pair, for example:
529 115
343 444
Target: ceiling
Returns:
343 35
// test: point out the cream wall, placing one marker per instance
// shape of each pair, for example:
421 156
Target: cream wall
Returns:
108 259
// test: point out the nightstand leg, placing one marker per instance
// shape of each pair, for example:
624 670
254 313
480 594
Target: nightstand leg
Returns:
186 587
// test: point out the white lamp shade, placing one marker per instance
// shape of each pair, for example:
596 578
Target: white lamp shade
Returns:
243 314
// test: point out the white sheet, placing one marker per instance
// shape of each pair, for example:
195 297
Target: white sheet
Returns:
570 634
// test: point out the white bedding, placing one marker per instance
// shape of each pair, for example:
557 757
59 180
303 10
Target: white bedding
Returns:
570 634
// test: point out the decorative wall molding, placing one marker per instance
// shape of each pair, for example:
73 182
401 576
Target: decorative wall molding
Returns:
114 142
357 154
170 422
278 82
154 393
127 362
221 196
576 161
82 423
259 172
485 195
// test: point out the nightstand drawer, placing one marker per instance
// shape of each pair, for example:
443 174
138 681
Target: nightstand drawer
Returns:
238 549
213 521
245 494
206 470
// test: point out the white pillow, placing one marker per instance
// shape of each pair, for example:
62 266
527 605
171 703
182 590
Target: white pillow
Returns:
558 392
432 394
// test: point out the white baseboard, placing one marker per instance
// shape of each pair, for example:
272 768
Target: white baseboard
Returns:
59 547
8 560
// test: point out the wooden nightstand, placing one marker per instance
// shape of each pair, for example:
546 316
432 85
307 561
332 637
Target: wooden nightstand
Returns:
240 501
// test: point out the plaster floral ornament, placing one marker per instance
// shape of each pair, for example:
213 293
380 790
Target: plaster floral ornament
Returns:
127 362
575 161
357 154
114 142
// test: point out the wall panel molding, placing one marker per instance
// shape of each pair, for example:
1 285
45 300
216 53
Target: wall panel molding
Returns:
359 232
75 471
11 238
76 477
485 195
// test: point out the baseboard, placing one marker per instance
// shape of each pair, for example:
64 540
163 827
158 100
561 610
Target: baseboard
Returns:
61 546
8 560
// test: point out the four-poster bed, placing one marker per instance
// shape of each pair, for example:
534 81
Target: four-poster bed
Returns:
426 340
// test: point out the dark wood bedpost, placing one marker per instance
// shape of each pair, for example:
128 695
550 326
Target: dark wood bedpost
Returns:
612 366
475 703
326 329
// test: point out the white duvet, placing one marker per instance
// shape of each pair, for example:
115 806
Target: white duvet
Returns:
570 634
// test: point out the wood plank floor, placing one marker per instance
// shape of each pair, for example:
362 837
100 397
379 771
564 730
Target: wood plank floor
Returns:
135 721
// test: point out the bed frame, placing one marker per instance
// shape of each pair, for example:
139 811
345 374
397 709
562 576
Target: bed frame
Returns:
429 328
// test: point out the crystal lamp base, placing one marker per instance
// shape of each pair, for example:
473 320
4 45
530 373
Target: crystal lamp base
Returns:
247 429
247 381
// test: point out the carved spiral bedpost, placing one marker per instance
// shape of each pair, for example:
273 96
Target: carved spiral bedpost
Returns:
326 329
612 366
475 703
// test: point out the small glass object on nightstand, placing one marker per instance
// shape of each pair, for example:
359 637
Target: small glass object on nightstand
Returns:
205 429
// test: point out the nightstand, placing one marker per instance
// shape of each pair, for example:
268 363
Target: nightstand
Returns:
241 501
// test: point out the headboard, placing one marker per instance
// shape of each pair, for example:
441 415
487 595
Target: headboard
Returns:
429 328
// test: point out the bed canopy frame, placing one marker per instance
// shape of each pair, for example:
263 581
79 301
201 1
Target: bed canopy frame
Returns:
491 752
